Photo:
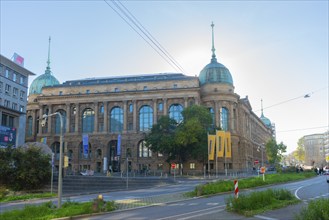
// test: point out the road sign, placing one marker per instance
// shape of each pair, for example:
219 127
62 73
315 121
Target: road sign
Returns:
262 170
256 162
173 166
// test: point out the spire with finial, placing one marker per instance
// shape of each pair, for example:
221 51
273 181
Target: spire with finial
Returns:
213 59
48 61
262 107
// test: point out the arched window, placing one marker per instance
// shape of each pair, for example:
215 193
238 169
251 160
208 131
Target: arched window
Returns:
224 119
88 116
143 150
212 113
55 148
98 154
82 153
116 119
58 122
29 126
145 118
175 112
70 154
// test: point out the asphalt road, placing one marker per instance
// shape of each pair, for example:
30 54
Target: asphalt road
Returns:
196 208
214 207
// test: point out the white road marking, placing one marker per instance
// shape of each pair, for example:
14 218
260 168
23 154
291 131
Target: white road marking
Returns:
264 217
199 211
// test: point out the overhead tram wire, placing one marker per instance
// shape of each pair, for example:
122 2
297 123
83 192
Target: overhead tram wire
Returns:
141 32
140 35
302 129
307 95
154 40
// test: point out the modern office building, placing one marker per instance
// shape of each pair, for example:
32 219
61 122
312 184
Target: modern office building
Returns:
13 101
100 112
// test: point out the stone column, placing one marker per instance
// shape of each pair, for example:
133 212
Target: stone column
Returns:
50 119
105 117
217 114
34 120
77 117
134 115
185 102
165 108
40 118
68 117
125 116
155 111
96 117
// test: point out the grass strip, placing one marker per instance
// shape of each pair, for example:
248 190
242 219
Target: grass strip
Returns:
49 210
259 202
316 209
227 185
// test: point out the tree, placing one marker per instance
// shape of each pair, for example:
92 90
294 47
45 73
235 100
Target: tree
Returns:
24 168
274 152
299 153
192 133
162 137
180 141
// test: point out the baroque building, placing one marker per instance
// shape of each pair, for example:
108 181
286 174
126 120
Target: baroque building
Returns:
100 112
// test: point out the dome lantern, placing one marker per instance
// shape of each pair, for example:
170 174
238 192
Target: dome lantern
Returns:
215 72
46 79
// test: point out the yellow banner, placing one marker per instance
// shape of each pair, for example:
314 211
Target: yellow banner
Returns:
220 143
211 146
228 146
327 159
223 144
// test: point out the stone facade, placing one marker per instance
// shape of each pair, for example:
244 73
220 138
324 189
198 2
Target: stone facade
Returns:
130 93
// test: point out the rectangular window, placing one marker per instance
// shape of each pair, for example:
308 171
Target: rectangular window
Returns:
175 86
131 108
192 166
87 91
145 88
14 106
15 92
22 95
22 80
1 84
7 73
60 92
14 77
21 108
8 88
116 89
7 103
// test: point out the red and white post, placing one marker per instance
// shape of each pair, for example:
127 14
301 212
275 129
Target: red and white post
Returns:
236 189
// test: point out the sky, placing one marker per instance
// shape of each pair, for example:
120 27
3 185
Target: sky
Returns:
276 51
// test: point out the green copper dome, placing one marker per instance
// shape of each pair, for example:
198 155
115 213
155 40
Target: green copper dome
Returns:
266 121
215 72
46 79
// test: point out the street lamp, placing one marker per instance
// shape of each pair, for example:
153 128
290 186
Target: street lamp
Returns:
60 177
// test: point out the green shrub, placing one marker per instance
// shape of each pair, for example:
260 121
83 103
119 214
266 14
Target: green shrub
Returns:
316 209
258 202
24 168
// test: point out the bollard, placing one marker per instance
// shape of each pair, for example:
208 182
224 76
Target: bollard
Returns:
236 189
